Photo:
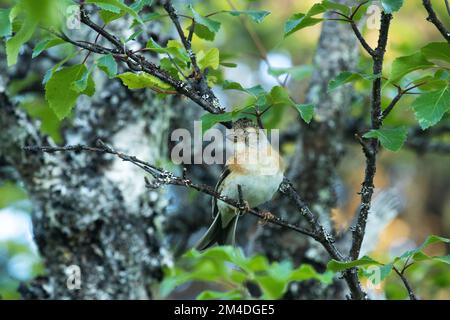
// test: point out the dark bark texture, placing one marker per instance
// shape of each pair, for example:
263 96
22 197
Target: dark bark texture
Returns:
320 147
91 210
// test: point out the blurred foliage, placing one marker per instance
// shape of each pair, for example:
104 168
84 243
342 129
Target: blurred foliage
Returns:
228 268
401 262
18 262
430 280
10 193
14 255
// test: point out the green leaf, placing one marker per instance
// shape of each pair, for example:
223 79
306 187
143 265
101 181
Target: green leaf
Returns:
212 25
391 139
111 4
5 23
44 45
307 272
445 259
228 64
227 264
404 65
279 95
108 16
108 65
142 80
438 52
203 32
306 111
429 107
167 65
210 59
430 83
59 91
272 288
330 5
256 15
50 72
38 108
346 77
134 36
138 5
14 44
442 74
174 48
217 295
390 6
84 84
299 21
254 91
337 266
258 263
384 271
419 255
108 7
209 120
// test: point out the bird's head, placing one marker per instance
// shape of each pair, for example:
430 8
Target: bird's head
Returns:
245 131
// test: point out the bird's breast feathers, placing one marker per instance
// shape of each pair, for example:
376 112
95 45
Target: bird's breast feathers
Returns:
259 180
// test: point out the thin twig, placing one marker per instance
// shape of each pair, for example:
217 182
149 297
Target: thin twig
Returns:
361 39
186 43
136 62
435 20
357 9
398 96
405 281
355 29
164 177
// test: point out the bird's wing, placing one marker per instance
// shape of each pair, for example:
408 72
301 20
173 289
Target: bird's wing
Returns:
226 171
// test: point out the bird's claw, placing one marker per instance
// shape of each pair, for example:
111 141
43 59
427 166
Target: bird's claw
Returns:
244 207
266 217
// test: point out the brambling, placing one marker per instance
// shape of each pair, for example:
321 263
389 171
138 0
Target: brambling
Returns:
256 167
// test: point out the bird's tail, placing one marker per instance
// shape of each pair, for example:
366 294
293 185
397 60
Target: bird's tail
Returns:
218 234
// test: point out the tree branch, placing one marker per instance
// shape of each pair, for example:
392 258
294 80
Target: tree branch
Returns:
186 43
434 19
164 177
204 97
355 29
397 98
405 281
376 121
201 82
361 39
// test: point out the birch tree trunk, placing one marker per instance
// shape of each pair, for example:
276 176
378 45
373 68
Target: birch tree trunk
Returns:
97 228
319 149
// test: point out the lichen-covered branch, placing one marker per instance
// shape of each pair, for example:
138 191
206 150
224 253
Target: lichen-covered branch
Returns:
371 150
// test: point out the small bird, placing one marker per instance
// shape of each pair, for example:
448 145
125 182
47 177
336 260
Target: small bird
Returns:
256 167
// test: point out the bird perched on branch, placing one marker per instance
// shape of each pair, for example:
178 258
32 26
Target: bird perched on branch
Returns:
256 169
